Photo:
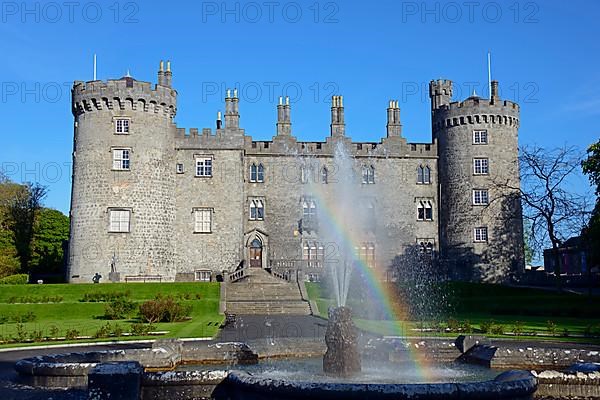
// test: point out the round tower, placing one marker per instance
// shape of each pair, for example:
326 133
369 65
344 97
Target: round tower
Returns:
481 227
122 203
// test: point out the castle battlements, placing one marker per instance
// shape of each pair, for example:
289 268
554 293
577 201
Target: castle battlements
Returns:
122 94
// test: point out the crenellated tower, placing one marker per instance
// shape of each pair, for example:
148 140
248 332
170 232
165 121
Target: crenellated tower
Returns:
122 206
481 227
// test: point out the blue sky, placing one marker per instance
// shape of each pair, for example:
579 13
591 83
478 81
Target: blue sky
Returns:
544 53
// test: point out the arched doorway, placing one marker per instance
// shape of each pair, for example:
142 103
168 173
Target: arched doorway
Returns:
256 248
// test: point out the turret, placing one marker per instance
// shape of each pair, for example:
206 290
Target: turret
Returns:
338 126
123 145
440 92
481 230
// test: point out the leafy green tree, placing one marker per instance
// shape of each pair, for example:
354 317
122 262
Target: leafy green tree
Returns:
591 234
22 211
50 234
9 261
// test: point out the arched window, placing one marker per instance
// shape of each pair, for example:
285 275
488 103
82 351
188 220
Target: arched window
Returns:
427 174
260 175
303 174
253 173
324 175
368 174
424 174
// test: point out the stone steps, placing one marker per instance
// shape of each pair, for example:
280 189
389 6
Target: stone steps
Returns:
268 307
260 293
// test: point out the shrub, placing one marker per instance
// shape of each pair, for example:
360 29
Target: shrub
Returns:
29 316
164 309
152 311
21 333
117 330
20 279
497 329
71 334
35 299
53 331
453 325
103 331
119 308
36 336
97 297
486 326
551 327
3 319
466 327
517 328
138 329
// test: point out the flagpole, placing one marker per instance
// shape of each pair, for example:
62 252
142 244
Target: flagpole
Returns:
490 73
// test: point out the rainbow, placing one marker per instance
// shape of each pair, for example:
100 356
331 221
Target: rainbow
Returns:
393 307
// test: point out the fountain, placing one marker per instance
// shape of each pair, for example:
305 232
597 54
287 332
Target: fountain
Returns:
342 357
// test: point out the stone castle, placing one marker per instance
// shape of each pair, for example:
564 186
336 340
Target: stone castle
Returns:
152 201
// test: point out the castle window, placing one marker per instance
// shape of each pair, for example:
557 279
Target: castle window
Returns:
480 197
121 159
204 167
202 220
313 253
324 175
366 254
480 234
260 177
309 209
368 174
257 210
425 245
122 126
425 210
253 173
480 137
303 174
413 147
202 276
180 168
480 166
119 221
423 174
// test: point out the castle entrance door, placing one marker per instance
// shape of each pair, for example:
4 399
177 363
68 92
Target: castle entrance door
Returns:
256 254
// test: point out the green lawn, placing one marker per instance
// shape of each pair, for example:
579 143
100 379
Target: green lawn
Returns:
471 306
87 318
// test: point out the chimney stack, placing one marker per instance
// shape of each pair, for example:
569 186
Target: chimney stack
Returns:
161 73
394 127
494 97
232 114
338 126
168 75
284 117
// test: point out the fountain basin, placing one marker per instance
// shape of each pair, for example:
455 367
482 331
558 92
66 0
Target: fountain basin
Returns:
239 385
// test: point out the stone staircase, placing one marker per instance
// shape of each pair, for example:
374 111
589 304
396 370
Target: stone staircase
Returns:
260 293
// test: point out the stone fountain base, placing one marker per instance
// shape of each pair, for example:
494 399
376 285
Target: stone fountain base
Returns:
342 357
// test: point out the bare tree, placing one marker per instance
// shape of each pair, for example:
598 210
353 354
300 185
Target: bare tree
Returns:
22 210
552 210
